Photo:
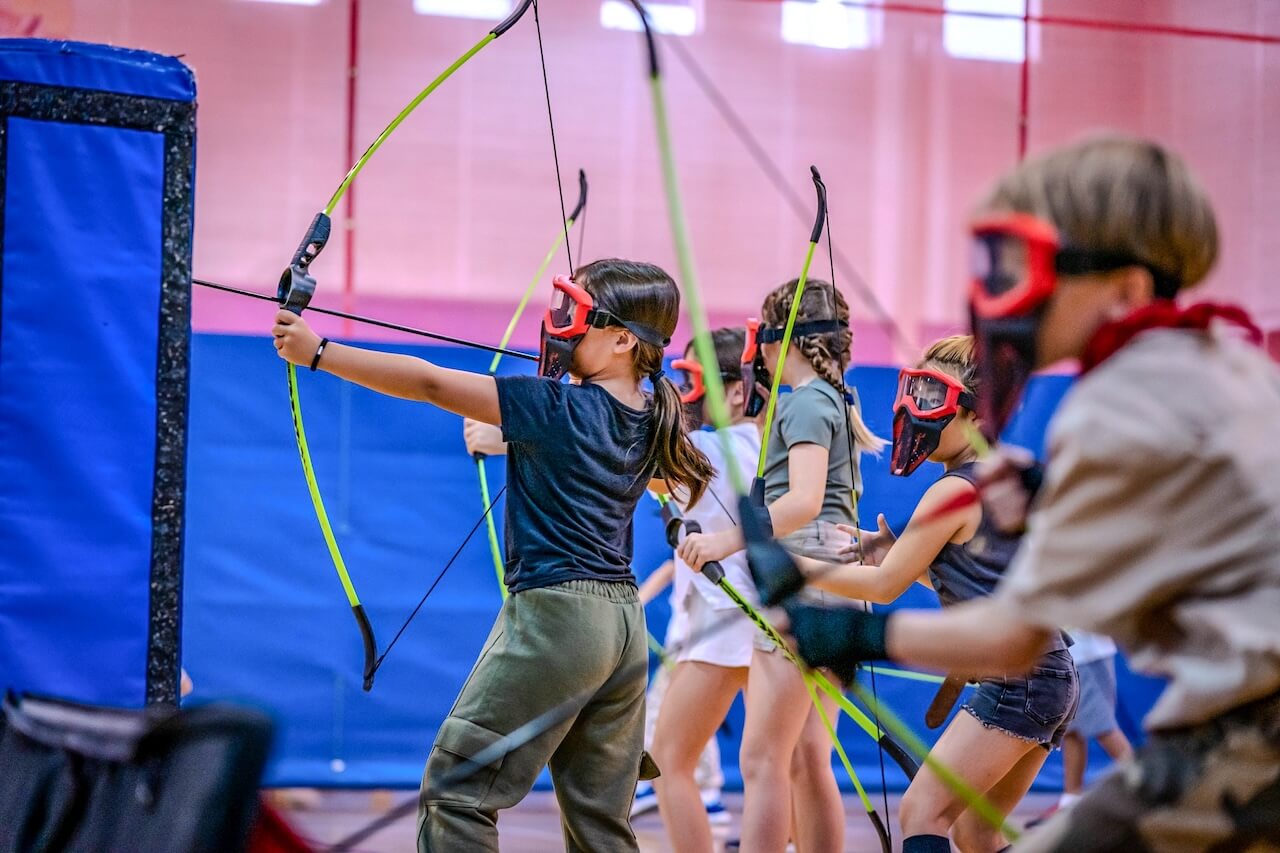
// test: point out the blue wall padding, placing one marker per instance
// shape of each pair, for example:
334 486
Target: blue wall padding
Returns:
266 620
79 314
96 66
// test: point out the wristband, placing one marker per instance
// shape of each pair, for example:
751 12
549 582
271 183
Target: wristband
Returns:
315 361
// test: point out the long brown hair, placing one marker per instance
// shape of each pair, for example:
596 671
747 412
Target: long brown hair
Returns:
828 352
644 294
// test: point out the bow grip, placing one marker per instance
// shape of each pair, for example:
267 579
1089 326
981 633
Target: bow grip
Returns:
297 285
711 570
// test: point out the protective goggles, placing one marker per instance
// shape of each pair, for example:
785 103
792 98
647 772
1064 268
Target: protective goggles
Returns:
1016 261
754 372
688 379
931 394
927 401
572 312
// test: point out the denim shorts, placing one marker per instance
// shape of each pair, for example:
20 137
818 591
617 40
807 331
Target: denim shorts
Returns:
1036 707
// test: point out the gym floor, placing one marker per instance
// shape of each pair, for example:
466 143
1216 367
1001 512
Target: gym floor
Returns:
534 825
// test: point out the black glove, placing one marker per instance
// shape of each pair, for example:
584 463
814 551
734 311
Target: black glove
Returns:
837 638
774 572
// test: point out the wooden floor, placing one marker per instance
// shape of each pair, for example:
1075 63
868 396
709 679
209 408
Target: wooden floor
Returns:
534 825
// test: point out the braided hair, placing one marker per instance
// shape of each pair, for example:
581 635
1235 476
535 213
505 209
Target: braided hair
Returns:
829 352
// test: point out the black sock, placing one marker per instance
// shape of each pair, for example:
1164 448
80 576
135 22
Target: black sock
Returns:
926 844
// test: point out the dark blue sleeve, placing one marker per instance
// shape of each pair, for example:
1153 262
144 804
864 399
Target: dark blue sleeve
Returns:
530 407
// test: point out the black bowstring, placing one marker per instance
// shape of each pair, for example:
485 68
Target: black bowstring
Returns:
383 324
378 663
857 526
779 180
564 215
555 153
527 731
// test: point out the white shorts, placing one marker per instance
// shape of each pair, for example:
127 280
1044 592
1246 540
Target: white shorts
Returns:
707 635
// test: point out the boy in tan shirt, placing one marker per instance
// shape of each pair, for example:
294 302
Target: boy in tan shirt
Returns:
1158 522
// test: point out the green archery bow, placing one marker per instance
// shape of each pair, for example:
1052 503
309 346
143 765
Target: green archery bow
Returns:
703 345
495 549
294 294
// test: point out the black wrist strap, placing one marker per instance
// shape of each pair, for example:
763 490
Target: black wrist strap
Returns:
315 361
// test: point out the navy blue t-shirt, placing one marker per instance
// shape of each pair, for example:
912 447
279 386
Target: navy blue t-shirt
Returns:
573 481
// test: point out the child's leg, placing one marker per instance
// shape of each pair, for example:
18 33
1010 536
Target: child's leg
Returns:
819 811
595 768
1116 745
972 834
551 648
777 706
982 756
1075 758
699 697
709 775
653 702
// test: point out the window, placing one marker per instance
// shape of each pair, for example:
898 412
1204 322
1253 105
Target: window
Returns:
485 10
992 30
827 23
675 19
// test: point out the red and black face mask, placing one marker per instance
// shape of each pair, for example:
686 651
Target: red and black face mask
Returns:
571 313
756 381
927 401
688 377
1015 264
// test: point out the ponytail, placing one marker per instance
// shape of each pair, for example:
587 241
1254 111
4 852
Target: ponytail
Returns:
644 293
670 452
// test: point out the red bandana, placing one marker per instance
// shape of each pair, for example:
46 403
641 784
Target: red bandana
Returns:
1162 314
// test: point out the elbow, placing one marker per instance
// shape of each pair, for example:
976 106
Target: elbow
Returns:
881 595
428 387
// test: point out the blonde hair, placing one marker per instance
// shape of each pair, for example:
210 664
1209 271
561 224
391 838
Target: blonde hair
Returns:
953 356
1120 194
829 352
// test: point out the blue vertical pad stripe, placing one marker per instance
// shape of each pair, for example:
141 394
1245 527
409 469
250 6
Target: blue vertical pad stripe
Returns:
79 302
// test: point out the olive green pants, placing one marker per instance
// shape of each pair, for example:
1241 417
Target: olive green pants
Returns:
572 658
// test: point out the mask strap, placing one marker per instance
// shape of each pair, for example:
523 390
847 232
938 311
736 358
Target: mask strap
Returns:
773 334
1072 261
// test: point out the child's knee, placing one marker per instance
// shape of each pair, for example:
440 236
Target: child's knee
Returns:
973 834
919 814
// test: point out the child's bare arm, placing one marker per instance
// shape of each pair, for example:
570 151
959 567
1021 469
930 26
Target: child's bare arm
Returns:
909 557
471 395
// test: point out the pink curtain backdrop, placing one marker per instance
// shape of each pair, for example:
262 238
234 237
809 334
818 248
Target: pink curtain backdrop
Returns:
455 213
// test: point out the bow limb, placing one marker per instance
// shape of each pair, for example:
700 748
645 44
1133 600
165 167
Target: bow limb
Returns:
482 476
294 293
490 36
716 402
815 235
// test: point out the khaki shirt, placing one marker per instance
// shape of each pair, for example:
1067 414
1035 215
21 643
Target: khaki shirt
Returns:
1159 520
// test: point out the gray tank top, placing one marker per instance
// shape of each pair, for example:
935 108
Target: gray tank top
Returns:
973 569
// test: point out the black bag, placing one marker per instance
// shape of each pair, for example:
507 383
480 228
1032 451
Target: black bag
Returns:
159 780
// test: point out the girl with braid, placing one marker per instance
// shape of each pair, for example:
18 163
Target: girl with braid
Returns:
811 483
